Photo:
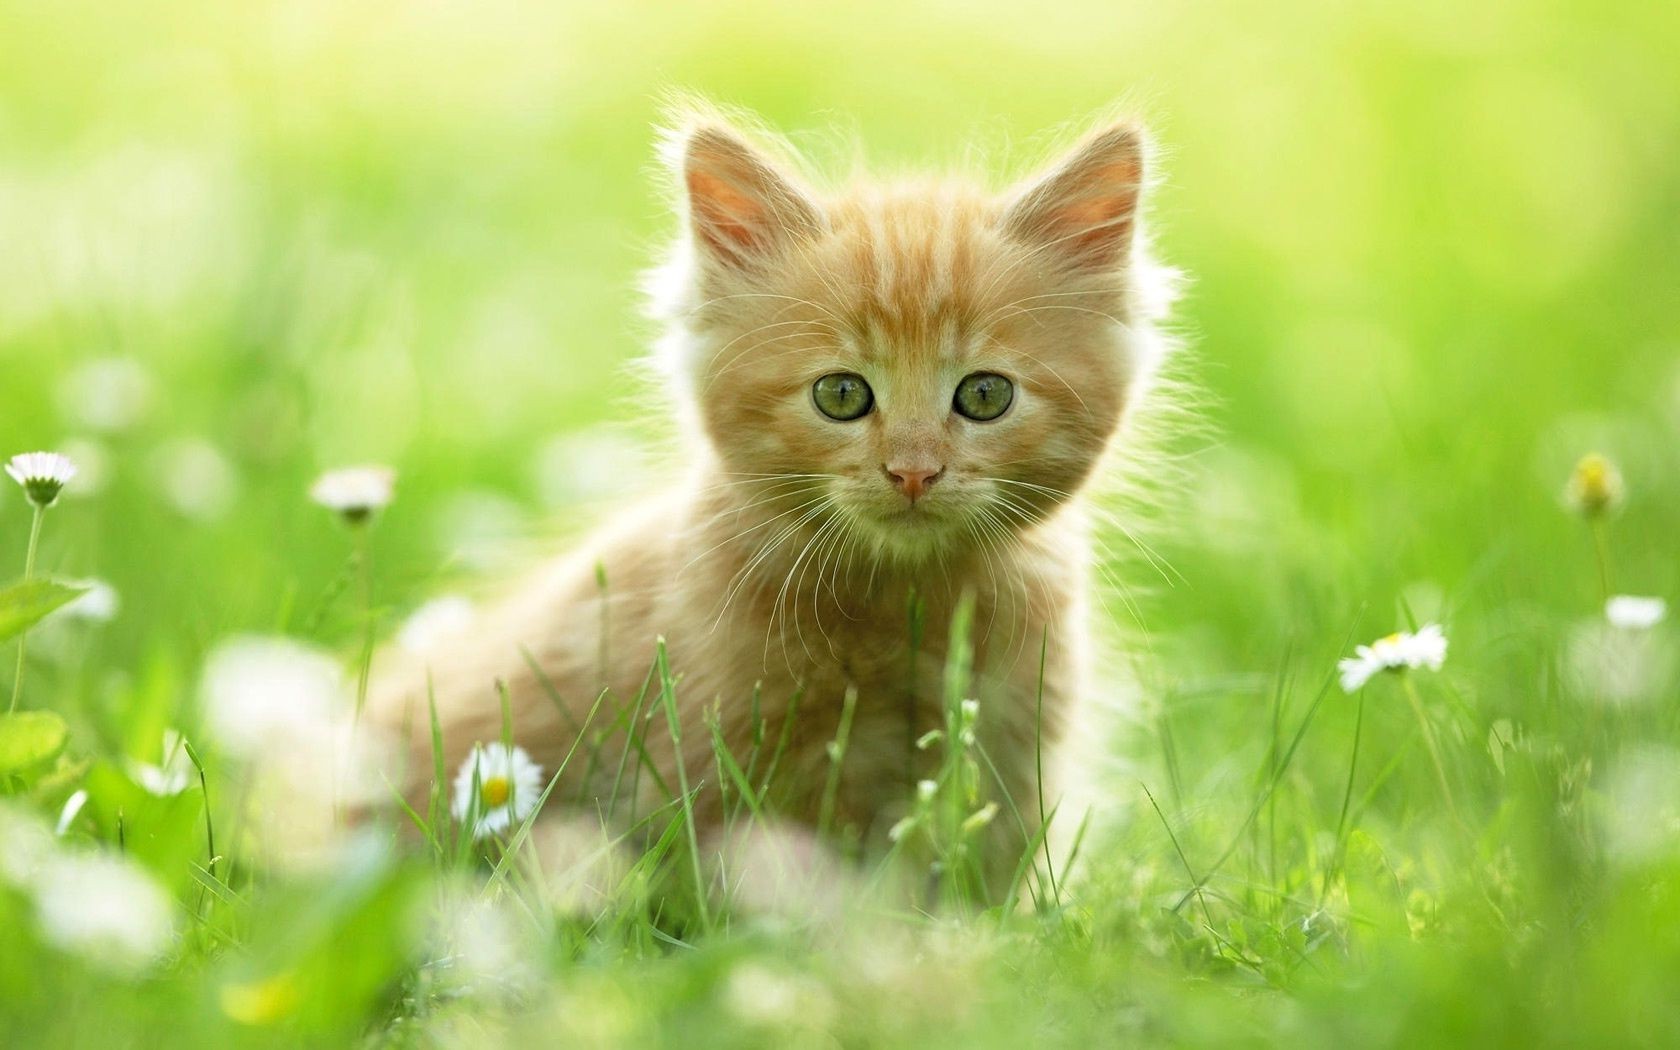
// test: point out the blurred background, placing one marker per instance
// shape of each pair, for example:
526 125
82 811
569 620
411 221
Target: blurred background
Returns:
1434 259
244 242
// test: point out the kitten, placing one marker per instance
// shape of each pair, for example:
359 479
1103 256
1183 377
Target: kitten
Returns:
892 395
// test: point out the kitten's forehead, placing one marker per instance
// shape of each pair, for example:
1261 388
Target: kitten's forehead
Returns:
912 266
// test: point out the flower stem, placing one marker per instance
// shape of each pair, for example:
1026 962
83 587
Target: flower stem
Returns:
1601 548
364 572
28 571
1434 750
1347 795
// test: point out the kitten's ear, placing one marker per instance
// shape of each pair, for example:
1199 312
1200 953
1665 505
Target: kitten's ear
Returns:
741 209
1085 209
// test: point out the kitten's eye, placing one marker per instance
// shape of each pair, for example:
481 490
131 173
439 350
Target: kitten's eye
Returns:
983 396
843 396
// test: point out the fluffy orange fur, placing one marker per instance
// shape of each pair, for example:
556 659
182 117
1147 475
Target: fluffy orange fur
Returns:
781 574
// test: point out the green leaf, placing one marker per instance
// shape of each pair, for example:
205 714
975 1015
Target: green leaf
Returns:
29 739
23 605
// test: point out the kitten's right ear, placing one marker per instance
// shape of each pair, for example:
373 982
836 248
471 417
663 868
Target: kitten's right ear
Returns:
741 210
1085 209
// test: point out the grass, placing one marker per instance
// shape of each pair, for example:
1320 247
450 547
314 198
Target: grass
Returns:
321 236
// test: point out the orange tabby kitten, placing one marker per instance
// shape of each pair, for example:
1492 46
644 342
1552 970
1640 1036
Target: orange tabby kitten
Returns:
892 394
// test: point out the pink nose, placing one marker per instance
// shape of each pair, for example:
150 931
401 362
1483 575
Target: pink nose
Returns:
914 481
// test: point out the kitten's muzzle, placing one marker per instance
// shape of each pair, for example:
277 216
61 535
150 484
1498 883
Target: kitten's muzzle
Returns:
913 479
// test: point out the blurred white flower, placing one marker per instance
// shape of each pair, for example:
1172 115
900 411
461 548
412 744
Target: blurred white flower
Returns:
484 529
98 604
1641 814
25 844
93 467
509 785
42 474
436 621
1634 613
284 708
758 995
110 393
1618 665
196 478
1399 651
173 776
591 466
482 943
72 809
257 689
355 492
104 908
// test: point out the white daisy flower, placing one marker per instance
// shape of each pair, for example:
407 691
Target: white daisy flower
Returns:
1397 652
1634 613
103 908
435 621
173 776
43 475
509 785
355 492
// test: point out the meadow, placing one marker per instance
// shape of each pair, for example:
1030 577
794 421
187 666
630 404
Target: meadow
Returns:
1432 335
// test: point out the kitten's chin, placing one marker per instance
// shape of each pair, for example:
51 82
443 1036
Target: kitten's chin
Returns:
911 533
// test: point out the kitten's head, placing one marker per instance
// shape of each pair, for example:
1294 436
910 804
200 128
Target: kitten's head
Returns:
932 362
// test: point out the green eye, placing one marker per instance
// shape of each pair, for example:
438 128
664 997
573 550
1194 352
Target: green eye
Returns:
843 396
983 396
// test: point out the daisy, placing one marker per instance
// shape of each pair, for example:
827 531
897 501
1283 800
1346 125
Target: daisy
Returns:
354 492
1633 613
43 475
1397 652
508 785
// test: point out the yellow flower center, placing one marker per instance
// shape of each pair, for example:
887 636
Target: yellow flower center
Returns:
260 1002
1391 639
495 792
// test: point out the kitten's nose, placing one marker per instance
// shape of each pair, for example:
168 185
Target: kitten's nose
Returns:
914 480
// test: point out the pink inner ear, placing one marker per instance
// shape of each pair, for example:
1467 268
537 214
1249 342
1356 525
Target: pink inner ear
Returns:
728 220
1086 210
1097 226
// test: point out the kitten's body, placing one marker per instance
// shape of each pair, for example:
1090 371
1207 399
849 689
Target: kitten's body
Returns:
782 574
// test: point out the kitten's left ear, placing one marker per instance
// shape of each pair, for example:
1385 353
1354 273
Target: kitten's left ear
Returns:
741 209
1085 209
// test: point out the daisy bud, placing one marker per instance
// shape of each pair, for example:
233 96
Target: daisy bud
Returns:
355 492
1595 486
43 475
979 818
925 790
